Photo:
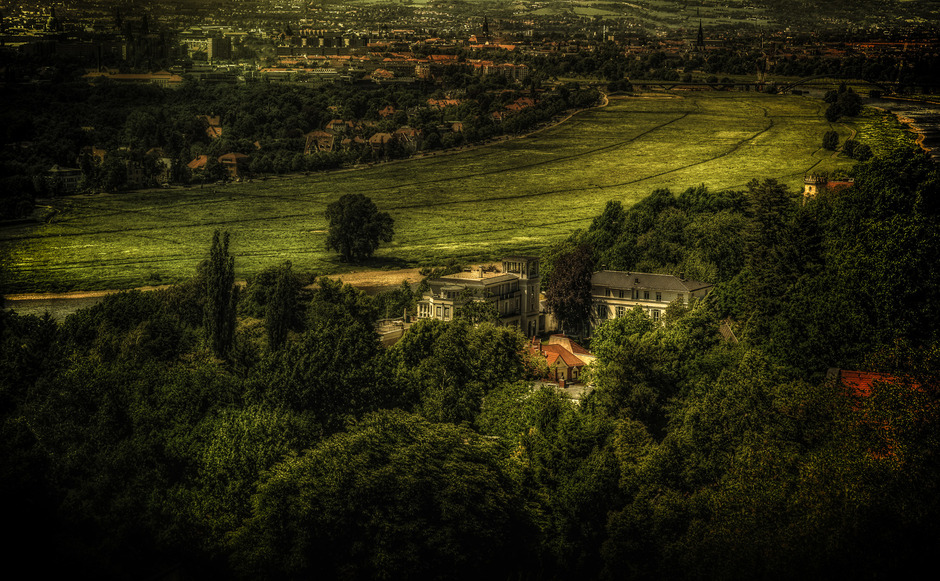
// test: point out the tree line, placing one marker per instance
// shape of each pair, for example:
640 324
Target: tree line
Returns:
106 128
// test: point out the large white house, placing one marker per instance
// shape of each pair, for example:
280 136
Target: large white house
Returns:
513 290
614 292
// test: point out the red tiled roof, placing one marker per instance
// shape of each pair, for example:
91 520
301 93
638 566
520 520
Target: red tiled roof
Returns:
568 344
861 382
836 185
232 157
199 162
555 352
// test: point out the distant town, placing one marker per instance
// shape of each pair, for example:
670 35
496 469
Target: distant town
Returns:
402 43
394 79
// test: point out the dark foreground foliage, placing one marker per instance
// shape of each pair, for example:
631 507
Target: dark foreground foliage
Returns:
132 447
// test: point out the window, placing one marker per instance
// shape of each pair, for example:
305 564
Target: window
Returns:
602 311
659 297
621 311
622 293
655 314
646 295
607 291
446 312
438 312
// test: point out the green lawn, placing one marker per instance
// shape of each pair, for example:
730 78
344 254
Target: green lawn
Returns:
515 196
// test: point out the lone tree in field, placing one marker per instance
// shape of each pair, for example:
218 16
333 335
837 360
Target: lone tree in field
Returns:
220 296
357 227
830 140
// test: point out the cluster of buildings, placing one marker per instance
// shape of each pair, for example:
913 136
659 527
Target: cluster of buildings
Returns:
513 290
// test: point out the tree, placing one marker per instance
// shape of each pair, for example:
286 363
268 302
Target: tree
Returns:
850 104
394 496
848 148
281 308
221 296
357 227
569 291
830 140
607 228
476 311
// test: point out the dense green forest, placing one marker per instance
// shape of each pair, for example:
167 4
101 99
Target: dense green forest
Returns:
265 433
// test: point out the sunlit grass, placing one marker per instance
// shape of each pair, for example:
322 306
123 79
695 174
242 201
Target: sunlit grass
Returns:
479 204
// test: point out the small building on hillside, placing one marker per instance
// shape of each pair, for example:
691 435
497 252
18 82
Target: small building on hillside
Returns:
862 385
565 358
318 140
63 180
513 290
235 163
198 163
815 185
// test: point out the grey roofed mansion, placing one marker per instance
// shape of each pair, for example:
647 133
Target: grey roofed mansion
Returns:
513 290
614 292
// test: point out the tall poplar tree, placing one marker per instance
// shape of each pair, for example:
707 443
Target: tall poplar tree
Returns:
281 307
220 296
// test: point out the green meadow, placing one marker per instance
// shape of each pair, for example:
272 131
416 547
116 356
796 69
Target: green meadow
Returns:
515 196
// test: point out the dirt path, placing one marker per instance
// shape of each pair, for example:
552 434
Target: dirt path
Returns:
76 294
362 279
374 279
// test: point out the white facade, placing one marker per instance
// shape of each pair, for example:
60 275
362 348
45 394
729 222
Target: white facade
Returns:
614 292
513 291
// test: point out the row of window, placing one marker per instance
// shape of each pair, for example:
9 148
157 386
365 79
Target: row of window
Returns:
602 312
520 268
443 311
634 294
425 310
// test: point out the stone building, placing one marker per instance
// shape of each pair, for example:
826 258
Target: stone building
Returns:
513 290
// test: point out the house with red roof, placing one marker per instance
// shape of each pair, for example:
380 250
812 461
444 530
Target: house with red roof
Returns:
815 185
565 358
378 140
861 385
408 137
319 140
213 125
235 163
199 163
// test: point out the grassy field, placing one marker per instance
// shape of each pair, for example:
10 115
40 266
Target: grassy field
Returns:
479 204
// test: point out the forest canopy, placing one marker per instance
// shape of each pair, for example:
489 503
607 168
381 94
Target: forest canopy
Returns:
134 446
